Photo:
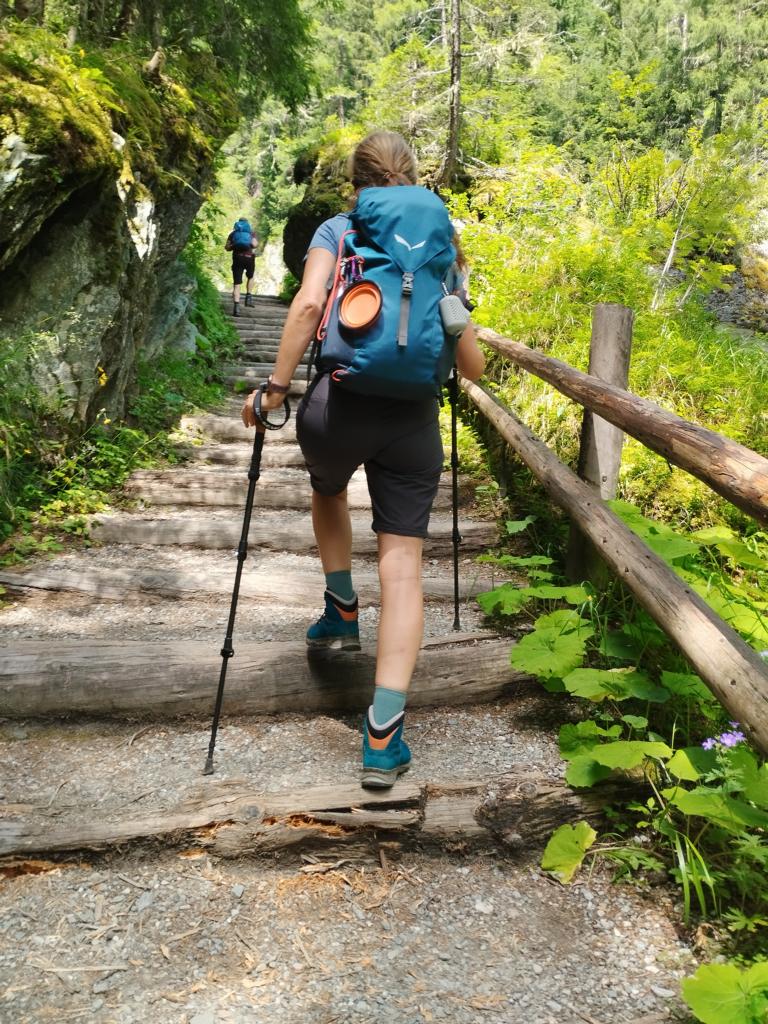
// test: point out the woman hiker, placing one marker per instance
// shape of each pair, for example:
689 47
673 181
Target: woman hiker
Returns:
398 441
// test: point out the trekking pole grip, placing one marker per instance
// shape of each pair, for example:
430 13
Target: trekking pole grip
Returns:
262 418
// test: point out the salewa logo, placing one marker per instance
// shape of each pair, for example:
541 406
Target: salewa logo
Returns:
409 247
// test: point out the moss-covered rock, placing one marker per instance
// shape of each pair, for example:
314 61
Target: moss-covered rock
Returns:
328 192
102 170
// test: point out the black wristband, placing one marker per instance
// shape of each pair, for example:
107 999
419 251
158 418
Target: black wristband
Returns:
277 389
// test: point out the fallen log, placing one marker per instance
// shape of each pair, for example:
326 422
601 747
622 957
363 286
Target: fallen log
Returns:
225 487
101 677
277 532
733 671
283 588
731 469
519 810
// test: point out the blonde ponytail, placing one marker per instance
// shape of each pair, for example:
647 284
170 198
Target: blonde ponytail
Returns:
382 158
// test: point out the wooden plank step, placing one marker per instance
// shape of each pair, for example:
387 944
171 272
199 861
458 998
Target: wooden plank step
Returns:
224 487
39 678
293 588
240 455
232 818
228 428
270 530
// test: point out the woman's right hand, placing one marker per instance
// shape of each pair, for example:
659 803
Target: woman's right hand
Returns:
268 404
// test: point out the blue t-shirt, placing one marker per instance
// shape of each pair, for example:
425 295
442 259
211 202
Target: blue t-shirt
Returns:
329 234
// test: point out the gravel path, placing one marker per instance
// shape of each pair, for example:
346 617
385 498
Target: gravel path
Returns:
381 936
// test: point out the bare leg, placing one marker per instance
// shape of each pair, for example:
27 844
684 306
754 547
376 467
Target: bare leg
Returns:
249 285
402 610
235 292
333 530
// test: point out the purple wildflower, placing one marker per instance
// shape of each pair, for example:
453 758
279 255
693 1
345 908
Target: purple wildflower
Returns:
709 743
734 725
732 739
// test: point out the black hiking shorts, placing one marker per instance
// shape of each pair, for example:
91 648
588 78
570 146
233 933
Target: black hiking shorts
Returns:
398 443
242 263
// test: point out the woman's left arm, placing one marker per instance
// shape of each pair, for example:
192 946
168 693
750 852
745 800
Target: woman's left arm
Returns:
469 357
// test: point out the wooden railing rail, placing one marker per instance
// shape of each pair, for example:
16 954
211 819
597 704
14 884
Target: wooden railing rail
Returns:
733 671
734 471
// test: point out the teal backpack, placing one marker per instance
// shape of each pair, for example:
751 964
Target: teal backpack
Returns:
242 235
381 333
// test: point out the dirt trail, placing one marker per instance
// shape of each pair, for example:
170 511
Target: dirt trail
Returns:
277 890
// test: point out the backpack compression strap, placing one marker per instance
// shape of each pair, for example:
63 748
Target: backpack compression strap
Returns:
323 325
405 310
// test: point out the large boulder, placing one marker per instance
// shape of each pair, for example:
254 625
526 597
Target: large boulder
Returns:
328 192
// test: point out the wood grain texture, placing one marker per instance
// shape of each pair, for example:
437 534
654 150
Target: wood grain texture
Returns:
179 677
733 671
733 471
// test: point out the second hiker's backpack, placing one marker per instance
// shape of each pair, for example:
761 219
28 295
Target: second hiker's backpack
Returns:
242 235
381 333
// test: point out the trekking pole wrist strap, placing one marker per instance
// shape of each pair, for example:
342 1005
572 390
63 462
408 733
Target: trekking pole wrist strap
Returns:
262 418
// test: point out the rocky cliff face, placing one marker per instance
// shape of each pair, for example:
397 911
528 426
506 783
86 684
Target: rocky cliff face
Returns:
100 180
92 278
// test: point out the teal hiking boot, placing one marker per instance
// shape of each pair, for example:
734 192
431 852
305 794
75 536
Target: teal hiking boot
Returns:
385 752
337 627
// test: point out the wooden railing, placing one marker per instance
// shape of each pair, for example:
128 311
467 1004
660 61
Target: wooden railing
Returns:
734 672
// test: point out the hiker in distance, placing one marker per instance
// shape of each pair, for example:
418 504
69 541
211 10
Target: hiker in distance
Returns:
371 291
242 242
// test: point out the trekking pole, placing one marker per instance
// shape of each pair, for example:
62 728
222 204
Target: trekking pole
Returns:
453 394
227 651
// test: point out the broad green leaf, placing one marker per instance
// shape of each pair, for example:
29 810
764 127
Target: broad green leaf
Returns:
566 849
620 647
581 737
616 683
628 753
739 553
551 592
684 684
723 810
565 620
753 777
660 538
713 535
507 600
724 994
548 652
584 771
635 721
518 525
690 763
729 544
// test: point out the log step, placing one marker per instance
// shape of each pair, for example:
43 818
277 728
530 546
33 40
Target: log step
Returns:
231 818
179 677
281 455
227 428
263 583
278 531
223 486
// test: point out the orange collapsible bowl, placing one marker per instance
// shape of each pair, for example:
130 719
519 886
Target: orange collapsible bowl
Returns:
360 305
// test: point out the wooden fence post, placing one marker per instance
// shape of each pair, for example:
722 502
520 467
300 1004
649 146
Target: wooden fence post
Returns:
610 350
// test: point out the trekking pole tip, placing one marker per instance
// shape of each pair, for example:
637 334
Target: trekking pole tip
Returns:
208 770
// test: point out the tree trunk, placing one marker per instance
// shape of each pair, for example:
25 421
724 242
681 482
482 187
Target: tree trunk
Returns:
734 672
735 472
447 172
